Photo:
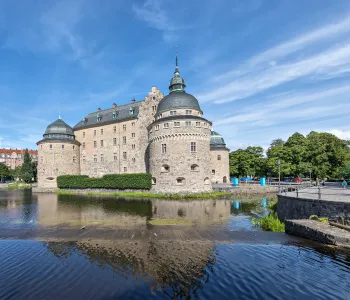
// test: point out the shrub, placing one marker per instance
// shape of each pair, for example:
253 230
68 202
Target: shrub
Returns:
140 181
269 222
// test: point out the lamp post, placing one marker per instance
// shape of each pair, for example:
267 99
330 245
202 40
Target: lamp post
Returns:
310 179
279 172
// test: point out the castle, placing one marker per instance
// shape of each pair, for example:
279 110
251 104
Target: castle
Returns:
166 136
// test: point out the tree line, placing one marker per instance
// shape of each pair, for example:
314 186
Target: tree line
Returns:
323 155
27 172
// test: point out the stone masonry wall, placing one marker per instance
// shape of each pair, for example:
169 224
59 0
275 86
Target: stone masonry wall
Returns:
57 158
220 168
193 167
298 208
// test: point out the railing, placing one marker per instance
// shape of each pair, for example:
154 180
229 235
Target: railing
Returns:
318 191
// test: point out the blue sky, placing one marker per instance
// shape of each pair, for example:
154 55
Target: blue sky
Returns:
261 69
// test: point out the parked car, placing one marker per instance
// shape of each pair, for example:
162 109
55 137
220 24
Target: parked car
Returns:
288 179
298 180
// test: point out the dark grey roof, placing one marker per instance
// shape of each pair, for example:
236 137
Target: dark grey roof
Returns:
176 100
217 141
59 130
122 113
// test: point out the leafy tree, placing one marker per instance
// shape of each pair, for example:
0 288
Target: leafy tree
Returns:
27 169
345 172
16 173
277 142
247 162
4 171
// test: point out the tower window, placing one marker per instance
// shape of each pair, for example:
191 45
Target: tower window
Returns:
193 147
133 124
115 157
83 134
73 159
163 148
94 132
62 146
173 112
95 144
124 155
114 141
188 112
165 168
102 158
198 124
166 125
188 123
95 159
101 143
124 127
133 146
219 157
154 180
194 168
114 129
212 172
156 127
114 115
133 135
180 181
133 159
176 124
84 145
124 139
125 169
101 131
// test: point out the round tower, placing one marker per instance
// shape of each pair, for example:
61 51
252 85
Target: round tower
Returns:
220 164
58 154
179 143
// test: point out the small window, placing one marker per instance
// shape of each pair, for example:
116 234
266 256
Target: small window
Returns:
84 145
133 124
206 180
101 143
84 160
73 147
73 159
193 147
124 127
114 141
198 124
95 158
99 119
131 110
133 159
124 155
133 146
165 168
133 135
101 131
173 112
124 139
163 148
219 157
154 180
176 124
180 181
114 129
62 146
94 132
114 114
166 125
188 123
125 169
194 168
95 144
212 172
41 146
83 134
188 112
156 127
115 158
102 158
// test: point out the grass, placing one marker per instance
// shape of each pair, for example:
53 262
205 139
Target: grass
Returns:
18 186
170 222
149 195
316 218
269 222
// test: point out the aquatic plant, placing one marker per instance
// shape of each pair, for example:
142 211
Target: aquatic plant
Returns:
316 218
269 222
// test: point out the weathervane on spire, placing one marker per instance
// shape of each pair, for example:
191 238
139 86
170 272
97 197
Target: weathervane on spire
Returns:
176 62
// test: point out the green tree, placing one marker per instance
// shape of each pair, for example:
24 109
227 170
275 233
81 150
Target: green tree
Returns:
35 170
27 168
297 145
4 171
16 173
279 151
345 172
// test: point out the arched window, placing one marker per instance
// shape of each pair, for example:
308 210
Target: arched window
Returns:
180 181
206 180
165 169
194 168
224 179
154 180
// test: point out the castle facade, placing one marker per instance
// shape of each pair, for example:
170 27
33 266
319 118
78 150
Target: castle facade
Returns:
166 136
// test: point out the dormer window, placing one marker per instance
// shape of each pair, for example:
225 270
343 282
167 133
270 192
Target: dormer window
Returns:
173 112
131 110
99 118
114 114
85 120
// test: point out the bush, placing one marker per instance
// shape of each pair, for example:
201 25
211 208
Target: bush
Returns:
269 222
140 181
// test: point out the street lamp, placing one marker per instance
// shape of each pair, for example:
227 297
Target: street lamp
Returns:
279 171
310 179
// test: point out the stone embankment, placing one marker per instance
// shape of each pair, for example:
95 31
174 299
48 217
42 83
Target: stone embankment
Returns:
245 189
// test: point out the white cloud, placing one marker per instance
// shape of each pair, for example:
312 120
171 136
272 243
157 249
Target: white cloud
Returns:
342 134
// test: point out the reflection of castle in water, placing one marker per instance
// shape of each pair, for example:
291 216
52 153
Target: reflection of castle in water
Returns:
174 268
75 210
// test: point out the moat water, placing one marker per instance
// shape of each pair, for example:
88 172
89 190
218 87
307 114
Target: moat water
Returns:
79 247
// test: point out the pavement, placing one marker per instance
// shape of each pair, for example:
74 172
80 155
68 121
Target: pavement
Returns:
329 193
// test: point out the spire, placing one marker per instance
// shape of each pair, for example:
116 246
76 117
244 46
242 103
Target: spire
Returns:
176 63
59 112
177 83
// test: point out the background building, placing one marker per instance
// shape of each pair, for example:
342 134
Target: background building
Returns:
15 157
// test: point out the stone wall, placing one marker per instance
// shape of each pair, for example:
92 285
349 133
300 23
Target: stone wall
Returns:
298 208
220 168
178 162
56 158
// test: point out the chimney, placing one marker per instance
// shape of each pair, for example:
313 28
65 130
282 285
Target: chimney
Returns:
99 109
133 101
114 105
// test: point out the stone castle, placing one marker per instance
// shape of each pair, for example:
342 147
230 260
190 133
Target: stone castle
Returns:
165 136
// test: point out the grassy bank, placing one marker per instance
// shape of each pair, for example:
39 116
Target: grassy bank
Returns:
148 195
269 222
18 186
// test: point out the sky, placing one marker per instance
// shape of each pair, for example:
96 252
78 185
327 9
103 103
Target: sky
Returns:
260 69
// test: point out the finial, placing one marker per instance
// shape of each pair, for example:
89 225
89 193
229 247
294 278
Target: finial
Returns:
59 112
176 62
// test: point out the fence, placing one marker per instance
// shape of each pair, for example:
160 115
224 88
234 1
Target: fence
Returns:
319 192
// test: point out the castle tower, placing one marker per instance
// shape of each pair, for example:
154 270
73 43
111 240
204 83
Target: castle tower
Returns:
58 154
179 143
220 165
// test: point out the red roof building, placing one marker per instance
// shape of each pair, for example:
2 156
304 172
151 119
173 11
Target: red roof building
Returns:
14 157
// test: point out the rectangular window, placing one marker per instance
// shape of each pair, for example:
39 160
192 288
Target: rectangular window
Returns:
124 127
133 135
133 146
95 144
176 124
188 112
163 148
84 145
133 124
84 160
101 131
188 123
133 159
95 158
101 143
125 169
102 158
94 132
156 127
219 157
115 157
212 172
173 112
62 146
114 129
114 141
198 124
73 159
124 155
193 147
166 125
83 134
124 139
